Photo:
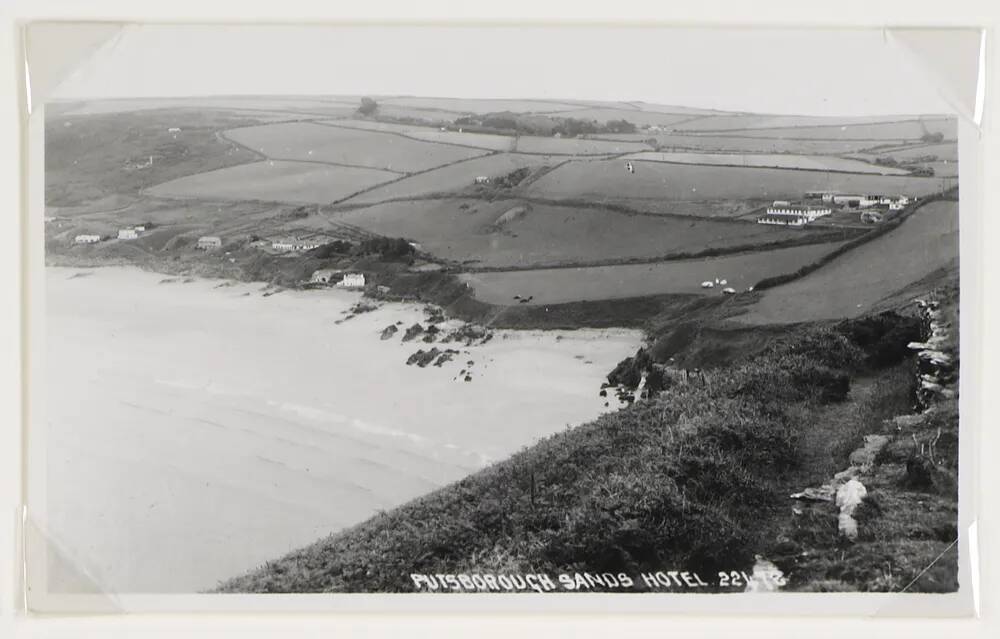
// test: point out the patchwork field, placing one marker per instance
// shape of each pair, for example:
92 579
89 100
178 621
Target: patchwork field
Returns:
455 176
353 147
513 233
744 144
850 284
906 130
286 106
607 180
93 157
736 121
469 105
576 146
554 286
947 151
275 180
636 117
475 140
781 161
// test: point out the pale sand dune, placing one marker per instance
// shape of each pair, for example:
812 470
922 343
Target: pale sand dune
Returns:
196 432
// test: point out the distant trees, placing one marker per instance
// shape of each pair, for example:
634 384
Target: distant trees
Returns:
932 137
540 124
388 248
368 106
620 126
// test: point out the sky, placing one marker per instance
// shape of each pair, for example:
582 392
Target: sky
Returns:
795 71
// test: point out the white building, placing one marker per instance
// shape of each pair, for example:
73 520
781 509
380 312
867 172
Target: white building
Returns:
859 201
209 242
810 213
352 280
323 276
482 179
784 220
86 239
294 245
127 234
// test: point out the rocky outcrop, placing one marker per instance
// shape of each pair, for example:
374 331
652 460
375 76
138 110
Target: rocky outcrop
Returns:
389 331
412 332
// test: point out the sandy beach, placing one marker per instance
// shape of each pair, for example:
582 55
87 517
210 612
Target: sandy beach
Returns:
196 430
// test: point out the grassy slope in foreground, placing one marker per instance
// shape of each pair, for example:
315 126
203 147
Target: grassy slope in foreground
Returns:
695 479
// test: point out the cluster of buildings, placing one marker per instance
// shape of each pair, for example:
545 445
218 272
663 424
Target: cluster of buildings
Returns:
128 233
347 280
873 207
861 200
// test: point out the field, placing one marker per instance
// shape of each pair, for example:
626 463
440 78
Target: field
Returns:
475 140
477 232
454 176
554 286
285 106
308 141
906 130
467 105
576 146
636 117
947 151
852 283
275 180
92 157
607 180
778 160
733 122
746 144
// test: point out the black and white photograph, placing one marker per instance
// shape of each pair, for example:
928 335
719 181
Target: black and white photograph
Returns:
497 311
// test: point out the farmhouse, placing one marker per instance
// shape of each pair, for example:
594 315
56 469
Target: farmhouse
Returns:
323 276
352 280
209 242
128 234
482 179
86 239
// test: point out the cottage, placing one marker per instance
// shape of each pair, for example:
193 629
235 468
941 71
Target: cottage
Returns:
482 179
323 276
86 239
352 280
127 234
209 242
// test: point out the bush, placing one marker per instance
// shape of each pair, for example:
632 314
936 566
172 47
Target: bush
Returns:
368 106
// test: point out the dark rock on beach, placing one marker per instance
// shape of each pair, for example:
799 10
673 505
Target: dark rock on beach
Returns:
389 331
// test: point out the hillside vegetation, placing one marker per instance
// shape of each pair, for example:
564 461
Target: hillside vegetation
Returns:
694 479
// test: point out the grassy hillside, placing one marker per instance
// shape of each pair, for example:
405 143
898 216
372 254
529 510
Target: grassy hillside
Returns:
695 479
